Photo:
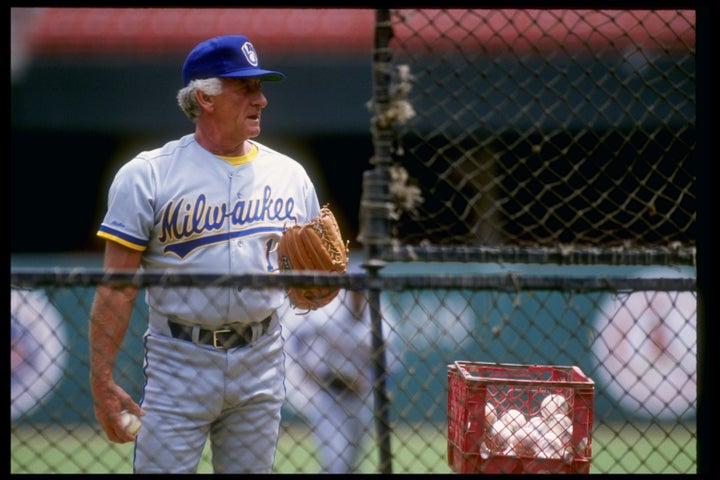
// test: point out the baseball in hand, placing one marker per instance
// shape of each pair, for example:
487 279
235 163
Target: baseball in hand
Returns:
131 423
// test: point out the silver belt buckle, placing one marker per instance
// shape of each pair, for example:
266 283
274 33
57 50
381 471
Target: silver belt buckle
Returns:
215 339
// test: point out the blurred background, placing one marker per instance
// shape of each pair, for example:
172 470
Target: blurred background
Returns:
92 87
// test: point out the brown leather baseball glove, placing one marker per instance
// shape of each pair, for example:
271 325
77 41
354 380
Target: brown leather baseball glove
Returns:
317 246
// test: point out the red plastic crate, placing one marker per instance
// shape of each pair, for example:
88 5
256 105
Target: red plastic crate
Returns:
474 446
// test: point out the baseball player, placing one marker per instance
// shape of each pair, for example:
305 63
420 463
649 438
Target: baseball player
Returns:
213 201
328 362
329 377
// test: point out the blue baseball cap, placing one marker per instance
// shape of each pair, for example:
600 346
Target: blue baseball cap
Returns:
226 56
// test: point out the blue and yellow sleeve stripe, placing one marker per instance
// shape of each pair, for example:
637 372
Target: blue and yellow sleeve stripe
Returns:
123 239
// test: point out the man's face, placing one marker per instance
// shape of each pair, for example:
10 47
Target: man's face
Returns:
238 107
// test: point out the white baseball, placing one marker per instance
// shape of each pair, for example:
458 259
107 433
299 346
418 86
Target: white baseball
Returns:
562 426
490 414
553 447
499 435
130 422
513 419
526 439
539 424
553 404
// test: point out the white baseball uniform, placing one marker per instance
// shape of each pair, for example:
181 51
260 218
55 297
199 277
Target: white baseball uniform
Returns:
190 211
329 377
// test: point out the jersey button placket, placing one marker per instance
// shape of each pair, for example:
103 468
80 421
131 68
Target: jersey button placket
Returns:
239 196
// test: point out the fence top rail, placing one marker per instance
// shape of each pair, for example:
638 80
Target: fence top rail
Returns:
26 278
559 255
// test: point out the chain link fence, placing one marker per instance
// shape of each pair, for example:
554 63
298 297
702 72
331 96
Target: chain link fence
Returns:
531 201
639 347
540 128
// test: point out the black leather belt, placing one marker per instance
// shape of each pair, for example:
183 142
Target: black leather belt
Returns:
223 338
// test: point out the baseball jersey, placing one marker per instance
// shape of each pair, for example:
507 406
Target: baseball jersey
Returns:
190 211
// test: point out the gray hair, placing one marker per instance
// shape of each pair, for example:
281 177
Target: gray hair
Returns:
186 96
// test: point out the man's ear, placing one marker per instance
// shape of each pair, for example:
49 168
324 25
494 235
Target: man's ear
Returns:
204 100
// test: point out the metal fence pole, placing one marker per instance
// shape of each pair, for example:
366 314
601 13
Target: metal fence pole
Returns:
375 209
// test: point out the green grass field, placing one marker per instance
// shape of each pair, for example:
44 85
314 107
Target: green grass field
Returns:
631 449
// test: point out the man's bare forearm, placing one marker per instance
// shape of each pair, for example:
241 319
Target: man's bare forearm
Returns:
109 321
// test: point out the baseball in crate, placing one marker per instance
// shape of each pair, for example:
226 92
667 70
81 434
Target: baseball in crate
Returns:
513 418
